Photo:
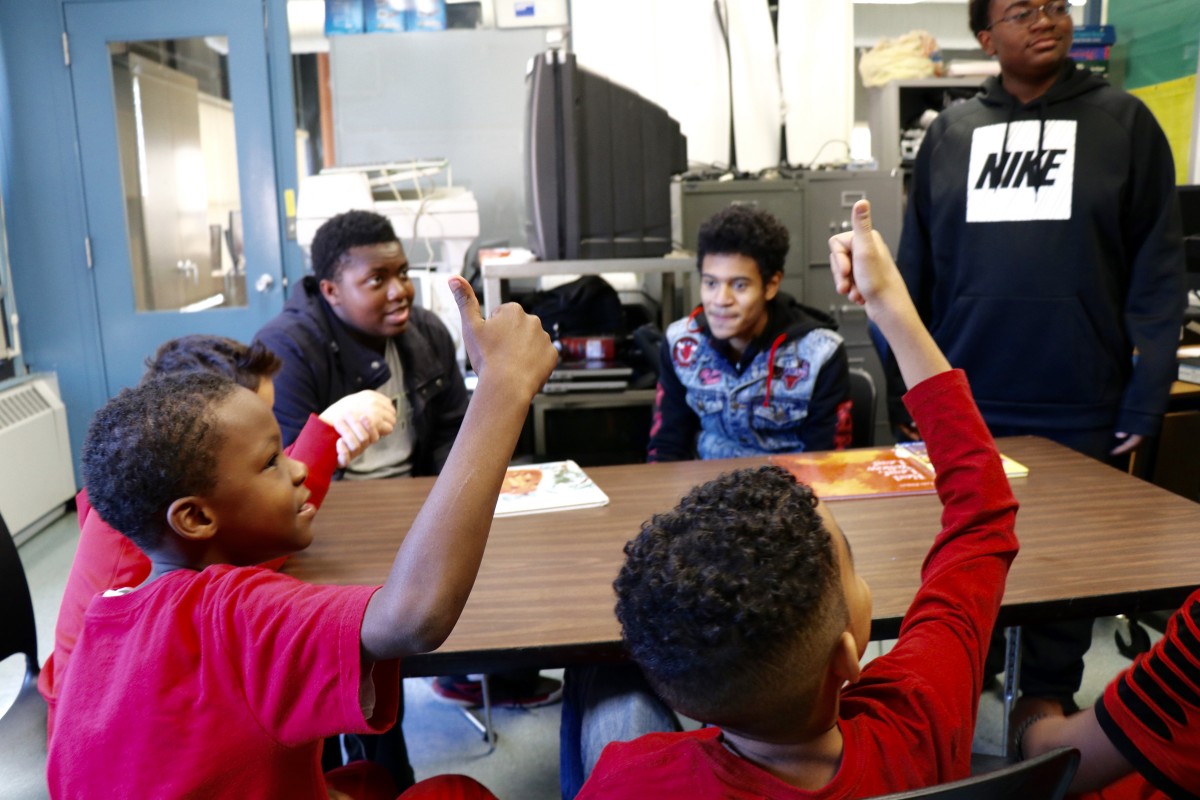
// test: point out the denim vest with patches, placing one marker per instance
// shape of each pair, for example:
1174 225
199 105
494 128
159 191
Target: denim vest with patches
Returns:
736 416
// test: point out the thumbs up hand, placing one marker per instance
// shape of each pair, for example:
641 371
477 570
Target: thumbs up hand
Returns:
862 265
509 347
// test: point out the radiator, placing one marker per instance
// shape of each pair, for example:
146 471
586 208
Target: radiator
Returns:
37 473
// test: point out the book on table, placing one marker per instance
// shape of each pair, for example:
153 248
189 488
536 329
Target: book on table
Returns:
863 472
918 452
871 471
552 486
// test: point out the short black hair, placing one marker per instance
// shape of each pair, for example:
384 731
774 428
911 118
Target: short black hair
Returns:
745 230
731 601
977 15
151 445
244 364
343 232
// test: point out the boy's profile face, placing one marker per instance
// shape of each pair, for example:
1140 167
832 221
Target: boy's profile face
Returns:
855 589
735 298
259 500
371 291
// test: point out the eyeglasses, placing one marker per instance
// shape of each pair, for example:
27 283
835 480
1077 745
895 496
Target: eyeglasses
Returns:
1054 11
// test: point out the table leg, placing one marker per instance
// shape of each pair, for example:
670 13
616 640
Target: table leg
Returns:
1012 680
489 732
485 726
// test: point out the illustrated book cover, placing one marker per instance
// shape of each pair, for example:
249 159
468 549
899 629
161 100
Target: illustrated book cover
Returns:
553 486
865 472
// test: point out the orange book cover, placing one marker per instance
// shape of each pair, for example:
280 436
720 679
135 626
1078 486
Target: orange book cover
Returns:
865 472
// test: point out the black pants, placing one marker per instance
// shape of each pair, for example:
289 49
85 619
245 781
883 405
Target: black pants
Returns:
1051 657
1052 653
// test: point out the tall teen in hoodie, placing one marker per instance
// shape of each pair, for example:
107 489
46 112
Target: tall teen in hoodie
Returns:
1042 247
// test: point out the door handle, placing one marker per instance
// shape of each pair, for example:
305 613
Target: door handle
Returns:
264 283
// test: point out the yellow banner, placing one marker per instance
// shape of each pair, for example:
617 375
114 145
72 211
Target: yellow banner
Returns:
1174 105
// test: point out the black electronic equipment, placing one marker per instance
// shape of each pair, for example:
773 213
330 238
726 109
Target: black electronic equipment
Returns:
598 164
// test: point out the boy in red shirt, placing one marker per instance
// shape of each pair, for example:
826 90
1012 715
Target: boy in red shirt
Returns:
742 608
219 678
104 559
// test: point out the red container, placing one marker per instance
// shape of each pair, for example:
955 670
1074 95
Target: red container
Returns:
589 348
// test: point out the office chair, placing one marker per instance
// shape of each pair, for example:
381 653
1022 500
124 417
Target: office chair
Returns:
1043 778
862 407
23 726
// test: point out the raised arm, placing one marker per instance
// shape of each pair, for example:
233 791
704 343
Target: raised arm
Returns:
864 271
436 566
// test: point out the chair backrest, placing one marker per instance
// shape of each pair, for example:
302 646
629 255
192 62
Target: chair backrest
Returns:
23 724
18 632
862 407
1045 777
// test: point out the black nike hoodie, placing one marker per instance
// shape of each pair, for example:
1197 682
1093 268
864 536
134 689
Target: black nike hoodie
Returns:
1042 247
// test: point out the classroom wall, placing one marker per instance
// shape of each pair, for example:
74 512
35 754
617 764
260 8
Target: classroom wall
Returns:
457 94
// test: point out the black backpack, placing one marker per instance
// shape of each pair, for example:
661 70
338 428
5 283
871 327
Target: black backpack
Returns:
586 306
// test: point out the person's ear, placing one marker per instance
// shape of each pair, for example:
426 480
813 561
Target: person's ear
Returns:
985 42
772 287
845 663
329 290
191 518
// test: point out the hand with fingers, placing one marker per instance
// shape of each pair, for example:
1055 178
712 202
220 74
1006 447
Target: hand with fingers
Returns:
864 271
862 265
510 346
360 419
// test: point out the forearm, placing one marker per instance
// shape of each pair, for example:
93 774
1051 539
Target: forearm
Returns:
436 566
916 354
1156 295
1100 762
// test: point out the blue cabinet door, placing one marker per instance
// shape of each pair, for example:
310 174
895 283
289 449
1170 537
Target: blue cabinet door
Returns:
173 110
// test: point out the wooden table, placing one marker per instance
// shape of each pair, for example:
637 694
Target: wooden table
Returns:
1095 541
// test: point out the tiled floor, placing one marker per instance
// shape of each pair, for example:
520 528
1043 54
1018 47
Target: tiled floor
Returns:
524 765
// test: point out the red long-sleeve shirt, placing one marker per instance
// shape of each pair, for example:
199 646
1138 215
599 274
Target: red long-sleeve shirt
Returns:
910 720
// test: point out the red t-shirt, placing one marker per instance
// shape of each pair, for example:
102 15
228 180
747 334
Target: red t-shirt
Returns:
221 683
909 721
105 559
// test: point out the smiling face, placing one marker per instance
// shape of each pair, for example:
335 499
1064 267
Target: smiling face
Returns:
370 290
735 298
1032 51
259 501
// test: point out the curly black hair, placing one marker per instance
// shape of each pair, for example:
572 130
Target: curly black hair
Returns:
339 234
151 445
977 15
245 364
745 230
732 601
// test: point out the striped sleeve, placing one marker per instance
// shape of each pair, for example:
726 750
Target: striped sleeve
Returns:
1151 712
